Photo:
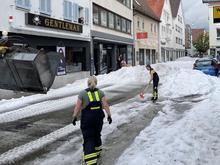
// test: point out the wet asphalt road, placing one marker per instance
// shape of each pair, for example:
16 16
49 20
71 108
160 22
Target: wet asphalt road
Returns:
20 132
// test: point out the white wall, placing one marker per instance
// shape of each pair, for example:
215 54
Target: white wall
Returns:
178 34
118 8
212 27
166 35
152 40
8 8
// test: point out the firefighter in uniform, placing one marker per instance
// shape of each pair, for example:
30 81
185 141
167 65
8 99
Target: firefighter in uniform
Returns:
91 102
153 76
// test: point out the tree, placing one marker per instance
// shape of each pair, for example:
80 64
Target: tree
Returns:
202 43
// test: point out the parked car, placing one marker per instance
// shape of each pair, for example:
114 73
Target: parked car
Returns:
208 66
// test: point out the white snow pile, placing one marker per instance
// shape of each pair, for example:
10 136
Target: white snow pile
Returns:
123 77
178 79
192 139
186 83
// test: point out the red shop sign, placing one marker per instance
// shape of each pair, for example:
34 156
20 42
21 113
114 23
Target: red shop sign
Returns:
142 35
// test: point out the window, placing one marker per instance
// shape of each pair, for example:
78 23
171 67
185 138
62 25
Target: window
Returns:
218 33
180 19
123 21
45 6
168 17
68 12
118 22
162 28
126 3
95 15
108 19
103 17
138 23
87 16
76 11
143 24
111 20
128 26
155 28
23 4
151 28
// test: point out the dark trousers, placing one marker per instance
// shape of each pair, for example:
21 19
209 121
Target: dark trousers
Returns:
92 143
155 87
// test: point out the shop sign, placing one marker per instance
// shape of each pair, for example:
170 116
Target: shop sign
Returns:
42 21
61 69
216 14
142 35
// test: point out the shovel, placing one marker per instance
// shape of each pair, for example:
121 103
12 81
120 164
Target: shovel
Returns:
142 92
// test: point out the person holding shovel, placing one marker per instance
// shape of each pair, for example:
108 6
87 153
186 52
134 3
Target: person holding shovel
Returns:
153 76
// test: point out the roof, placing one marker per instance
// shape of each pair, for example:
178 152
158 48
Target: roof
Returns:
196 33
143 7
175 5
156 6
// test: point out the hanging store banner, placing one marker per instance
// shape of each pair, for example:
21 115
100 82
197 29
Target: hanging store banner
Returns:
216 14
42 21
61 70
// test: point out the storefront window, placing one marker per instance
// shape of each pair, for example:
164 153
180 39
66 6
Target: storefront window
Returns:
118 23
103 17
123 25
103 61
111 20
129 54
95 15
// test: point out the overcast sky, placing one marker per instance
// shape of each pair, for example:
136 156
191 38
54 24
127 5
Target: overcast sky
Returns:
196 13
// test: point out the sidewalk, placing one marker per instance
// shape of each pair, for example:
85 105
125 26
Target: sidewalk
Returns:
59 81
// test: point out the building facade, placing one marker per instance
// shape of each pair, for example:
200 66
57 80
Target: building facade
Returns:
112 34
188 40
166 32
146 30
178 30
171 28
63 25
214 27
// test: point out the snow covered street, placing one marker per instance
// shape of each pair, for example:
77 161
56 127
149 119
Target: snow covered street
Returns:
182 128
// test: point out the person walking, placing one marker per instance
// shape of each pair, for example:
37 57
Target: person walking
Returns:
90 103
153 76
119 60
